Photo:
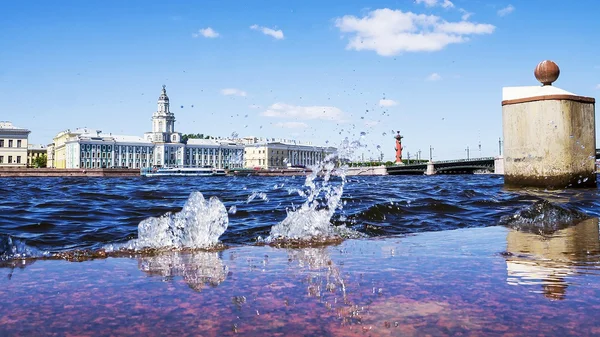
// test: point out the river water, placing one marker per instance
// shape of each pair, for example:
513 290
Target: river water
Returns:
58 214
418 255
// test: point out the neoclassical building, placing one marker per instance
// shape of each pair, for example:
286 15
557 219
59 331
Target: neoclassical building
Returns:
282 153
13 145
87 148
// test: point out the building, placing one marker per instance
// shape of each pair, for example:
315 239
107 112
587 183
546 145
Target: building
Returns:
13 145
281 153
34 152
87 148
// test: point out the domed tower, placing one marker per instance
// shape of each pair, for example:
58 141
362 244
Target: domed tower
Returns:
163 121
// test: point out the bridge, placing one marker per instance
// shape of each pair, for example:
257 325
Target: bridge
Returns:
459 166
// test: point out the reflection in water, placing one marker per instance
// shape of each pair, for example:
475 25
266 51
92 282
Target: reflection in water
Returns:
321 268
197 269
548 260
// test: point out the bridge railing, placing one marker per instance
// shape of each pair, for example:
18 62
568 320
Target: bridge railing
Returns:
463 160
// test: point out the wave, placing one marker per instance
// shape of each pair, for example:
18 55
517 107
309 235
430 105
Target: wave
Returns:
543 217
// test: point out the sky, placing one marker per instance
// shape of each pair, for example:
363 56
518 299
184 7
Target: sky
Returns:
316 71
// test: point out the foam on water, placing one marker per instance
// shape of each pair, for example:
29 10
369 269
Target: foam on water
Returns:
198 225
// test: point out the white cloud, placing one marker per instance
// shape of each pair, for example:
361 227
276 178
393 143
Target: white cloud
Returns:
206 32
465 14
506 10
434 77
390 32
291 125
447 4
283 110
387 102
277 34
233 92
432 3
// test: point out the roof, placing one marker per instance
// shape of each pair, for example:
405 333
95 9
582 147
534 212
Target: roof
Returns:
36 147
213 142
512 93
9 126
130 139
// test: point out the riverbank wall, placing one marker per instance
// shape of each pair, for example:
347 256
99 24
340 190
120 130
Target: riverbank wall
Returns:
54 172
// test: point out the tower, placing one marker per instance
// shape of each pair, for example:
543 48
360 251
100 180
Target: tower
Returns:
163 122
398 148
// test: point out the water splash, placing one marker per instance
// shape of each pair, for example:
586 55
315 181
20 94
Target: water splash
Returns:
14 249
312 220
199 225
543 217
254 195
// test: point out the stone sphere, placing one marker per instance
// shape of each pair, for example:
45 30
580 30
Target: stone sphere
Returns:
546 72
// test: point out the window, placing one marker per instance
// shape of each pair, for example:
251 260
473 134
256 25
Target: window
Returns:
1 159
18 159
10 159
1 142
19 143
10 143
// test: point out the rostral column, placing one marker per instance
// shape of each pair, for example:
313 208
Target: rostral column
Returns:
398 148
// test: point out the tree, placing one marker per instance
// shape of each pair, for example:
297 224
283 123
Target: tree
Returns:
185 137
40 161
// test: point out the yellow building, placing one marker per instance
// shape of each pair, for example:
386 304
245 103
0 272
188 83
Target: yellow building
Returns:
34 152
13 145
57 152
282 153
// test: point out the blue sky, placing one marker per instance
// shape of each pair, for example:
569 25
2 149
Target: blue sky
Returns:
309 70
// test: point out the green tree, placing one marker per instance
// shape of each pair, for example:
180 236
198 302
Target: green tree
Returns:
40 161
186 137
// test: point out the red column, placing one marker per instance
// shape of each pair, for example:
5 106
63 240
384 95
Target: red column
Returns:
398 148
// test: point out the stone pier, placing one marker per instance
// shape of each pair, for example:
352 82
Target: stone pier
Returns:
430 169
549 134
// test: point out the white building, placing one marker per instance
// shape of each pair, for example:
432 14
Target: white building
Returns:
13 145
98 150
85 148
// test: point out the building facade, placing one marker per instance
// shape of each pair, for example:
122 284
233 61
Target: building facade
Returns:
86 148
13 145
162 147
34 152
282 153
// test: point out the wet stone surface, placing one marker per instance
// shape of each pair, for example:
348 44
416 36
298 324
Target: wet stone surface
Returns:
486 281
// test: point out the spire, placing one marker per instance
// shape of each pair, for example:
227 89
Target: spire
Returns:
163 95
